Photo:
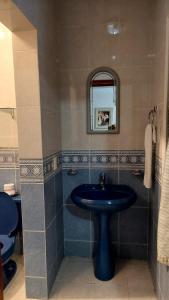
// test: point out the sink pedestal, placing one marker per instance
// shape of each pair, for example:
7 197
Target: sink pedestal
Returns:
104 265
104 202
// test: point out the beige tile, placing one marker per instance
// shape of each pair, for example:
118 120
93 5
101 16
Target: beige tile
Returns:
29 132
73 89
98 45
105 141
68 290
136 10
115 291
5 4
140 288
139 280
49 78
26 78
112 10
8 131
48 48
74 48
25 40
18 19
95 12
75 280
74 130
5 18
51 128
73 12
75 270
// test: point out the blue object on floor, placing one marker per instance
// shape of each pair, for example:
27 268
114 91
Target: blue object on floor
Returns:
8 225
104 200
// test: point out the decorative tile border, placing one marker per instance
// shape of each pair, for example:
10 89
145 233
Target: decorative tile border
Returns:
75 159
131 160
31 171
39 170
106 159
9 158
51 165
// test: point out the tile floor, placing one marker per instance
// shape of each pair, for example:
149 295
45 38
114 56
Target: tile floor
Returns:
76 281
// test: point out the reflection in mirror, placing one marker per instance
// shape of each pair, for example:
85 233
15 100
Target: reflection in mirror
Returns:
103 101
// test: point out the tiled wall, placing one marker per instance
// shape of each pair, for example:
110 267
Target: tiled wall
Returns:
41 190
129 228
85 45
35 63
41 184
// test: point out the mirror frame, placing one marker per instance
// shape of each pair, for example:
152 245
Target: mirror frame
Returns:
115 75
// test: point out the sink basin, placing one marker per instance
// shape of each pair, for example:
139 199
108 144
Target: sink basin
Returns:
112 198
104 201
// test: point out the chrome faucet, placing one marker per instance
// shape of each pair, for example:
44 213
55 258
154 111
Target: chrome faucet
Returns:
102 179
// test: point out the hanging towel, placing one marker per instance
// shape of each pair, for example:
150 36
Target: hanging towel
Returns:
150 137
154 134
163 222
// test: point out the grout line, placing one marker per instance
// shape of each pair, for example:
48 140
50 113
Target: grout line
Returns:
84 241
113 242
35 231
40 277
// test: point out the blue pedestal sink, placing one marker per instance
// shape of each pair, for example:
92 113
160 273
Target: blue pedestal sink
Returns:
104 201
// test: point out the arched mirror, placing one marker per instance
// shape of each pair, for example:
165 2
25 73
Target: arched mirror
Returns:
103 101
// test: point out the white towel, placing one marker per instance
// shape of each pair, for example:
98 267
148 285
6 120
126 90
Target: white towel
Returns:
150 137
154 134
163 222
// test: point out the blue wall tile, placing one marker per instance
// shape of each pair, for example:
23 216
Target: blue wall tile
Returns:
133 251
58 190
78 248
50 200
60 231
17 180
53 273
76 223
70 182
35 253
134 226
111 176
33 197
135 182
51 245
36 288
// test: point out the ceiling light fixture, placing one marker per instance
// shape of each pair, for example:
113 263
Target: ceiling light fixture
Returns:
114 28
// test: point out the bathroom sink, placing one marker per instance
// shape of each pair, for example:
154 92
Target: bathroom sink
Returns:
111 198
104 200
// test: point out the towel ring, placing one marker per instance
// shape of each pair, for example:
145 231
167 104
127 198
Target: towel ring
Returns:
151 115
